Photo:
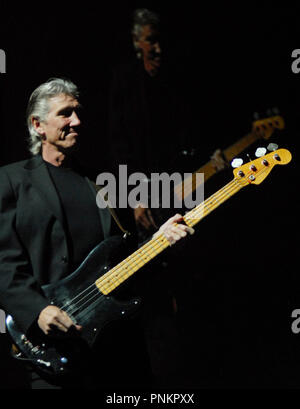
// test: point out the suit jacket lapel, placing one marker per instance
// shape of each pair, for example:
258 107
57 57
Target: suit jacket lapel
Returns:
41 180
105 215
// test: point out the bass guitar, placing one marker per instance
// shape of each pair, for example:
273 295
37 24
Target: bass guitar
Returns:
88 294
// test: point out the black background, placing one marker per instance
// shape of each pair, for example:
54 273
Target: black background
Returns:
240 270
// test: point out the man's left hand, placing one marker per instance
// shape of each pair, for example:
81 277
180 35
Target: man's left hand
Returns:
174 230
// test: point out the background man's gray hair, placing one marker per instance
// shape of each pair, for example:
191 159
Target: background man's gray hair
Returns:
38 106
140 18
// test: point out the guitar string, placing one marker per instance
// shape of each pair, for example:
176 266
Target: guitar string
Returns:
92 297
234 184
148 244
210 201
187 185
96 290
97 293
113 282
190 181
102 279
178 189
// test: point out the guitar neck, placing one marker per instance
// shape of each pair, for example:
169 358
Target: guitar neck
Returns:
191 183
240 145
122 271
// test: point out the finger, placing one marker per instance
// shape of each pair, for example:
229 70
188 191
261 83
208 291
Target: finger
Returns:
65 320
172 236
186 228
61 320
170 240
190 230
45 328
57 324
173 220
182 233
177 217
179 227
178 231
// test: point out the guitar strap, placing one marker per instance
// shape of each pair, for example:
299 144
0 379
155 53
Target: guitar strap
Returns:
112 211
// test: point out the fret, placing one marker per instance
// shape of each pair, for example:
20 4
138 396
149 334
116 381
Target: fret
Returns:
206 207
117 275
113 278
261 128
146 253
190 184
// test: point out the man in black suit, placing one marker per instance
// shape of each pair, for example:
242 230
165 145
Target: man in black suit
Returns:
148 126
48 213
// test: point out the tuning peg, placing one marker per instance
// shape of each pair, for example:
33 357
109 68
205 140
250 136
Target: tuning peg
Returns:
256 116
276 111
237 162
260 152
272 147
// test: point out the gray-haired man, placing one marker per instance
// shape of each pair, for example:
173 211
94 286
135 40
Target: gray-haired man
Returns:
48 213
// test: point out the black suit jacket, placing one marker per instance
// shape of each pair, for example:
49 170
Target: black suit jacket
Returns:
33 241
148 119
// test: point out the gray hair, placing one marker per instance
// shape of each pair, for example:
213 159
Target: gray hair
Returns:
141 17
38 106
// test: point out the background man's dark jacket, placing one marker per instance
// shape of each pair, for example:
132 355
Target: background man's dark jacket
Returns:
148 119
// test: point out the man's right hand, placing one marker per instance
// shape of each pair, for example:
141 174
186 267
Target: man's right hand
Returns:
218 160
53 317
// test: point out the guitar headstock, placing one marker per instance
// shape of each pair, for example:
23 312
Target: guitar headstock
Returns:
256 171
264 128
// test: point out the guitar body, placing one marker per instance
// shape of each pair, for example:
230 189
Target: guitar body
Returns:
78 295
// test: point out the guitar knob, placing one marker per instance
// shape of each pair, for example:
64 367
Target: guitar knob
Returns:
260 152
236 163
272 147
